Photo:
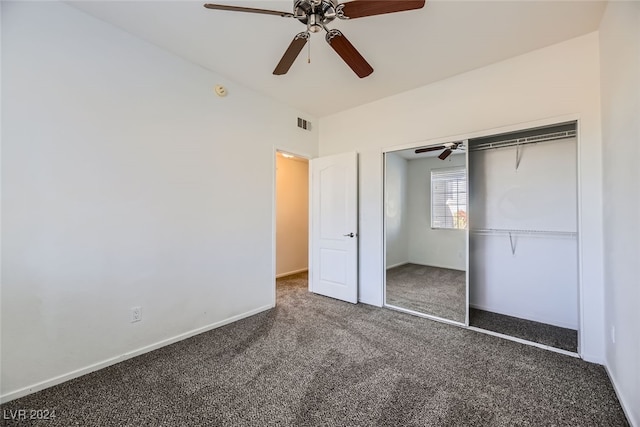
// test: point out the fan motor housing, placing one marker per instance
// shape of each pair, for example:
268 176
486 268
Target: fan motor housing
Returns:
315 14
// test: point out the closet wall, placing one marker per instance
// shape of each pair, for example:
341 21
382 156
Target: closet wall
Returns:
523 222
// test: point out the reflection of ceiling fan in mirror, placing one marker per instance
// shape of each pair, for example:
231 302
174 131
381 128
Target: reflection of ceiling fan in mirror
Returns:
315 14
448 148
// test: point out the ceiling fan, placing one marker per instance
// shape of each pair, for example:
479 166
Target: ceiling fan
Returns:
448 148
316 14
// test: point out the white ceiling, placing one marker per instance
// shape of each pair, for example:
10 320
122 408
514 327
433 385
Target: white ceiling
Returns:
406 49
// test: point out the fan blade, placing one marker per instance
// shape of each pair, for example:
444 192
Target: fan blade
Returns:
361 8
348 53
446 153
427 149
248 9
291 53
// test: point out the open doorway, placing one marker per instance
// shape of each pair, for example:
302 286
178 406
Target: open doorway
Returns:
291 219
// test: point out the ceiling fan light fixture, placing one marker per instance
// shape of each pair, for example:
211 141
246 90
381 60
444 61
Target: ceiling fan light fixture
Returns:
315 23
316 14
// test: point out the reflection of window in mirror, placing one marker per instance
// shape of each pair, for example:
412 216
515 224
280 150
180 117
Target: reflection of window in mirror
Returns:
449 198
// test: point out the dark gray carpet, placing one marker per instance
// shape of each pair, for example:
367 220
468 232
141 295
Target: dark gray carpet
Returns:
315 361
441 292
553 336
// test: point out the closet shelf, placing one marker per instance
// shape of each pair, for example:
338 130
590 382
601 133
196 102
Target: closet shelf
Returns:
494 231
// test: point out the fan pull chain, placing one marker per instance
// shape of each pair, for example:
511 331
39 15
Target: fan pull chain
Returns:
309 51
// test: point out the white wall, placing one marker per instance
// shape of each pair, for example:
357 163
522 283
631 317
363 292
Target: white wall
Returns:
539 195
395 201
125 182
620 80
427 246
292 215
556 81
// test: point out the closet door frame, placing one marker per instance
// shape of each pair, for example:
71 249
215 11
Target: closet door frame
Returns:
489 132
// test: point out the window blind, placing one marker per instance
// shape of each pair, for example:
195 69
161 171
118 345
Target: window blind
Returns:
449 198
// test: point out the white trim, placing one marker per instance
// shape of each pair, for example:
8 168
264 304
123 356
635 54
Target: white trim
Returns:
274 172
400 264
522 341
383 237
426 316
113 360
593 359
623 403
369 302
311 223
531 318
289 273
446 267
467 316
484 331
579 239
486 132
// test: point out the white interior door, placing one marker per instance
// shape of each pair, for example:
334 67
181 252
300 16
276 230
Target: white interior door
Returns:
333 264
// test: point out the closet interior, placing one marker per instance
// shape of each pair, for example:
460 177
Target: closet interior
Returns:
523 251
486 235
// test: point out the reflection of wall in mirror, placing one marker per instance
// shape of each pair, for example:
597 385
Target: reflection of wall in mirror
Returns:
396 210
444 248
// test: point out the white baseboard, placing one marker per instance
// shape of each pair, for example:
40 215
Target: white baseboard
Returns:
397 265
532 318
12 395
289 273
526 342
371 303
425 316
592 359
626 408
447 267
425 265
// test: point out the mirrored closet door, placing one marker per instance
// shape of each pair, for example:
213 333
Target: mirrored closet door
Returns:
426 239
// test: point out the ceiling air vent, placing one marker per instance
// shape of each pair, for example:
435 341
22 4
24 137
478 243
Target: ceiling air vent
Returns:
304 124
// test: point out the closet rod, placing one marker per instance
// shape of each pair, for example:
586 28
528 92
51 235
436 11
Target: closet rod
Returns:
492 231
479 146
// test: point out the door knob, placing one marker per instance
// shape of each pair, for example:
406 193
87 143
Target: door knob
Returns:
349 235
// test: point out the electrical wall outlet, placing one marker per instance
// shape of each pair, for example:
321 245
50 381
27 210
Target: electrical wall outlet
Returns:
136 314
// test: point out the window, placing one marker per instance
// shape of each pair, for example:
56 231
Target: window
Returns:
449 198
